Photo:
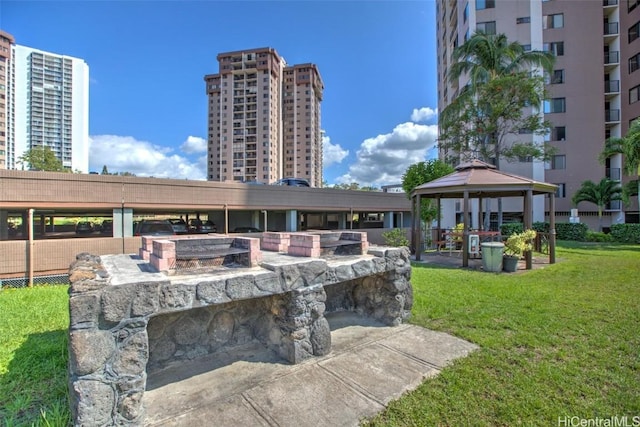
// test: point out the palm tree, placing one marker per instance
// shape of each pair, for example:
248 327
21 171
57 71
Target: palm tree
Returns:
629 147
485 58
600 194
489 56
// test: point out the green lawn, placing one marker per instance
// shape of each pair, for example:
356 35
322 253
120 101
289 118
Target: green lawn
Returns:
563 341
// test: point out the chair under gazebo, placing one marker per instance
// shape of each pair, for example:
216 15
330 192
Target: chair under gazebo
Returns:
480 180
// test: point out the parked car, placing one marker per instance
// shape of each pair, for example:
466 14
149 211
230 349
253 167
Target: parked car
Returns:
179 225
294 182
247 230
84 227
154 227
106 227
198 226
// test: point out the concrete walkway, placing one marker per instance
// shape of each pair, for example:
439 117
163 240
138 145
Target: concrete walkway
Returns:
369 365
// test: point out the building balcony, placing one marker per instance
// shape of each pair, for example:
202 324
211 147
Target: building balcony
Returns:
614 205
611 29
612 115
612 57
612 86
613 174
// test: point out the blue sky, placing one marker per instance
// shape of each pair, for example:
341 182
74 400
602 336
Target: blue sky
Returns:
147 60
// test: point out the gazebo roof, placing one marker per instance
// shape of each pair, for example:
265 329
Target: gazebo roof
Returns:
481 179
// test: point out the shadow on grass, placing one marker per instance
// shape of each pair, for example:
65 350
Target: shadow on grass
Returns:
34 389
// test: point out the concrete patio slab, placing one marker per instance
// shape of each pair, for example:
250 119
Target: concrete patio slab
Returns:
369 365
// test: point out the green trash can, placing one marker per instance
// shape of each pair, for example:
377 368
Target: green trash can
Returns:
492 256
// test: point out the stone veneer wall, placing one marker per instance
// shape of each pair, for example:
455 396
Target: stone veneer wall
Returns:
117 330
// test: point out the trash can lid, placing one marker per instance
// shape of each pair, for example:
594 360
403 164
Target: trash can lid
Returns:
492 245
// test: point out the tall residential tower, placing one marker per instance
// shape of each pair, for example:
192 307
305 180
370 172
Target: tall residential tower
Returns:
264 119
594 88
46 104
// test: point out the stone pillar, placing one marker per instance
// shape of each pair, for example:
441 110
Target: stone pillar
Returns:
305 330
123 222
291 220
108 348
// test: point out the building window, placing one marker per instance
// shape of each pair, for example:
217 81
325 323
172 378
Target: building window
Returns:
526 47
555 78
634 63
465 14
631 4
487 27
559 162
485 4
634 31
553 21
558 133
523 20
561 192
554 105
634 94
556 48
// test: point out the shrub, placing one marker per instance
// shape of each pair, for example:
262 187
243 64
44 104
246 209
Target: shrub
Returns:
598 236
511 228
519 243
395 237
626 233
569 231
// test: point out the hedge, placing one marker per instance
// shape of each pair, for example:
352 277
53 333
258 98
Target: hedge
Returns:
626 233
510 228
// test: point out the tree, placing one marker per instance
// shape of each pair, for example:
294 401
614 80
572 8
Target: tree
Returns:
421 173
600 194
105 171
41 159
490 126
629 147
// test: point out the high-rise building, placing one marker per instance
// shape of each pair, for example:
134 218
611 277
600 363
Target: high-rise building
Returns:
594 87
264 119
46 97
6 41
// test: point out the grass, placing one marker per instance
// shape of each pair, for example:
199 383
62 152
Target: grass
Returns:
555 342
33 356
558 342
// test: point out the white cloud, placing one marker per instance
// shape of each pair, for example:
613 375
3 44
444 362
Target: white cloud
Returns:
142 158
383 159
423 114
332 153
194 144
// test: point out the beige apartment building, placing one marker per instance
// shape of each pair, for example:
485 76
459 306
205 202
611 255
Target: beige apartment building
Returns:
264 119
6 40
594 88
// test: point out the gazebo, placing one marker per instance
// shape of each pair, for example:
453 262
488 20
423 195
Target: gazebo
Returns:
479 180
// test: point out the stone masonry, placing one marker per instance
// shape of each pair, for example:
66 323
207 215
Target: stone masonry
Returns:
127 319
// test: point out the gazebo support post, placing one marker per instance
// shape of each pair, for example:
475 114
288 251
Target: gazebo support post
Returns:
439 216
465 233
419 230
552 228
413 223
528 224
480 222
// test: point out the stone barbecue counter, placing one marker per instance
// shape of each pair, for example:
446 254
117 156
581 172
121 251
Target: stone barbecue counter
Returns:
129 320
